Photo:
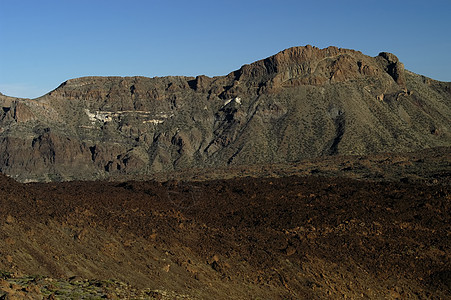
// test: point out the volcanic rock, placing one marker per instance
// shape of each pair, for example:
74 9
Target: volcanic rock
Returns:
301 103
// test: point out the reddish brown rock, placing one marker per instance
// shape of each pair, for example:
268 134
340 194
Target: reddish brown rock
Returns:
301 103
394 68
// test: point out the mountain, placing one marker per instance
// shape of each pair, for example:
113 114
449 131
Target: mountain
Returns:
301 103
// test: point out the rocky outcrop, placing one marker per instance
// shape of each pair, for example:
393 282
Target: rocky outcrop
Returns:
17 111
303 102
394 68
311 66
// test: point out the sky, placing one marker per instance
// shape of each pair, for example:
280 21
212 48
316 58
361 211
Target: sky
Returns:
46 42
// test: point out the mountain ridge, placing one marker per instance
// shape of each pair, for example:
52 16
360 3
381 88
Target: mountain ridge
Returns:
303 102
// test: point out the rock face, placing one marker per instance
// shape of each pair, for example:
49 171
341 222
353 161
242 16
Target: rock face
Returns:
303 102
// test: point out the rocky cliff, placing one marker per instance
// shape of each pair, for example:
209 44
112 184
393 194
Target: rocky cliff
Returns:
303 102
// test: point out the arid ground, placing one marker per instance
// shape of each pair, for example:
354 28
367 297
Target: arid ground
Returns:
375 227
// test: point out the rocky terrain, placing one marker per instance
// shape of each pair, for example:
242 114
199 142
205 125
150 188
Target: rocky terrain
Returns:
311 174
292 235
299 104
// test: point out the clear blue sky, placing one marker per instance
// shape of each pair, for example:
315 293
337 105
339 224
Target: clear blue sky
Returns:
44 42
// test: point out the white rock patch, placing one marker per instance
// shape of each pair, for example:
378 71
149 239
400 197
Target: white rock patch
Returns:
107 116
236 99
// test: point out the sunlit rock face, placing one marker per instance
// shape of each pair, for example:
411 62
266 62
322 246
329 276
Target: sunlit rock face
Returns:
303 102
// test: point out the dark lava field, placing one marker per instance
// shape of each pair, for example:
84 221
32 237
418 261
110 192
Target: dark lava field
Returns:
285 236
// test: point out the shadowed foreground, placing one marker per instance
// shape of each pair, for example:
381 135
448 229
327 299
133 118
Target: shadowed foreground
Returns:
294 237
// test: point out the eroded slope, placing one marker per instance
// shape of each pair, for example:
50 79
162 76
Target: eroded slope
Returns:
301 103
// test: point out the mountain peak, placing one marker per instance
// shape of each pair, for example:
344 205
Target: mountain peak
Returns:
394 67
303 102
308 65
301 65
